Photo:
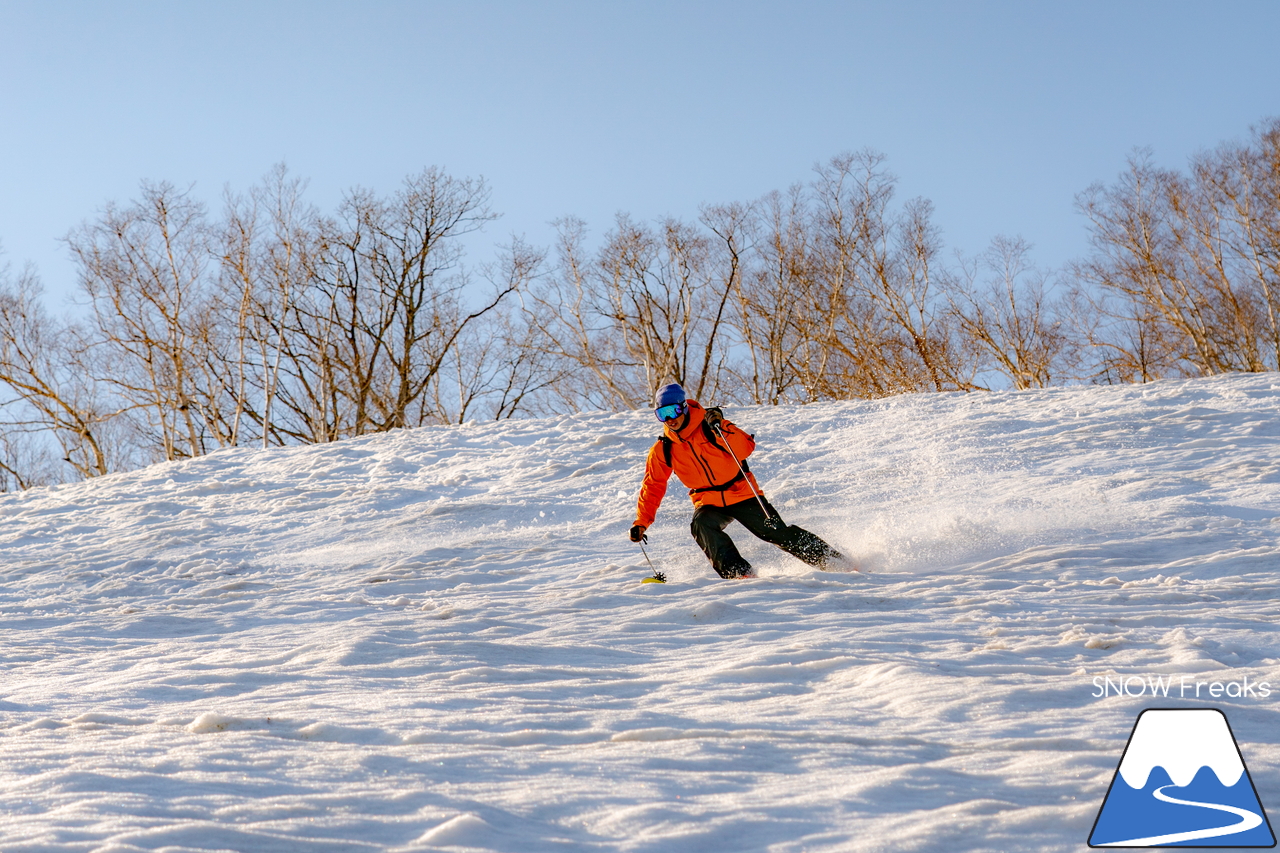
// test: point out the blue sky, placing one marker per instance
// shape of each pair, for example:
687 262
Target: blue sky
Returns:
999 112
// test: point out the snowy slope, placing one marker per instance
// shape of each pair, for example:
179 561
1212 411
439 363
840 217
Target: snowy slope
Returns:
436 639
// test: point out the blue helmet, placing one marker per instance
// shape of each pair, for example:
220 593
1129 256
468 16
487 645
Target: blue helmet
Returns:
669 403
668 395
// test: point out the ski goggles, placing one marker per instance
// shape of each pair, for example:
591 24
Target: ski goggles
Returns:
670 413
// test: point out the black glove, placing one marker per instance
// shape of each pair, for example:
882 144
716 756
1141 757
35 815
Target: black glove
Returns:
714 417
637 534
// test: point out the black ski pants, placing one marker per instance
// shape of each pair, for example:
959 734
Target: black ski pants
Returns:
708 527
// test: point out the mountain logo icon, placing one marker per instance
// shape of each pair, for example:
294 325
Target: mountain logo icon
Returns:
1181 783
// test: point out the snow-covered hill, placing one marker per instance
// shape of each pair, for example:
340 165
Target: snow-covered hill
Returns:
437 639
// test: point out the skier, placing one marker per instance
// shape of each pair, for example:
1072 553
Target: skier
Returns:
708 454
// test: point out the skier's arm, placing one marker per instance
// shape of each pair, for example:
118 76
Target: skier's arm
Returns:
741 443
654 487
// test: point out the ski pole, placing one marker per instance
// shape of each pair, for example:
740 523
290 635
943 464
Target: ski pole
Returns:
657 575
768 516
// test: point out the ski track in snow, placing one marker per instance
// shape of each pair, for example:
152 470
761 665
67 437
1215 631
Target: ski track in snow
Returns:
437 640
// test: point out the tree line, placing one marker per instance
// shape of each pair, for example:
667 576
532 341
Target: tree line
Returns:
270 323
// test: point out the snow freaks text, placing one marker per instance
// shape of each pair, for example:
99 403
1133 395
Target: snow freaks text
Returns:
1180 687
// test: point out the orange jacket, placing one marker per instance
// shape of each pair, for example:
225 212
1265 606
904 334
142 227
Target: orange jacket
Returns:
700 460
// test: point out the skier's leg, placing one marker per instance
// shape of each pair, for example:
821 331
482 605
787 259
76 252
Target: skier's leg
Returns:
707 528
796 541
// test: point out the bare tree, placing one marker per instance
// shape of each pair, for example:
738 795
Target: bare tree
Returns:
1187 260
598 372
774 302
649 286
1004 307
887 327
46 367
384 310
145 271
650 307
501 363
269 240
1239 184
277 325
